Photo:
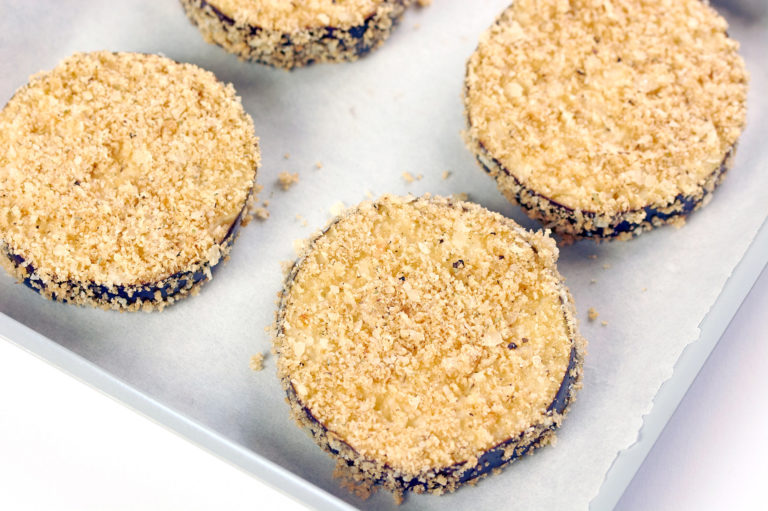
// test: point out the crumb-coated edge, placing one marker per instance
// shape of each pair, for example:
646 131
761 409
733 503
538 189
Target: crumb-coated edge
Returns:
364 471
150 296
573 224
288 50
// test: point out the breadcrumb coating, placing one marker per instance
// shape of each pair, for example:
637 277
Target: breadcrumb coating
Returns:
609 110
416 335
122 169
288 34
290 16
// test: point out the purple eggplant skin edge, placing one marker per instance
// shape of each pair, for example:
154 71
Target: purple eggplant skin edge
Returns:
356 33
492 459
679 207
131 294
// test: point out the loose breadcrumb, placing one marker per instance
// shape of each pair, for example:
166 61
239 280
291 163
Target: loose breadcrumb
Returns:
287 156
318 165
286 180
604 323
337 208
410 178
446 174
257 362
261 213
592 313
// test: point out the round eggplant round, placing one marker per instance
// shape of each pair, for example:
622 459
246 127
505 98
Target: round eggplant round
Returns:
427 342
606 119
125 178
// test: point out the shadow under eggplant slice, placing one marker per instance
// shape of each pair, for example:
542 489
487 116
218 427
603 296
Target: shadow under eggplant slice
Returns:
606 126
474 462
289 48
126 179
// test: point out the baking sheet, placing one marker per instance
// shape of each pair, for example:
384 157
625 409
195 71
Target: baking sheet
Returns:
399 110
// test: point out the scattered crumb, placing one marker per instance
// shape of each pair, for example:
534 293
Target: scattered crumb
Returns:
299 246
447 174
260 213
644 289
302 220
318 165
353 482
606 266
592 313
285 267
286 180
604 323
592 256
593 281
337 208
409 178
265 203
287 156
424 3
257 362
460 196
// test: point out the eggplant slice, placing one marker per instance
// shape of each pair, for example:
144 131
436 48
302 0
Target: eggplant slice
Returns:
606 119
296 34
426 342
126 177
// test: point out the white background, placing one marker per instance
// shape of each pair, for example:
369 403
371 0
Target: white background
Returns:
64 445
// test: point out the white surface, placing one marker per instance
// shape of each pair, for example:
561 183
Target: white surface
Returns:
400 104
66 446
712 454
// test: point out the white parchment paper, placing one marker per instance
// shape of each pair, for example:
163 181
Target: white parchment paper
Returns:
398 110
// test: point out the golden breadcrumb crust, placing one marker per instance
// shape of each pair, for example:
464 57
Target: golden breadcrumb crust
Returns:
121 171
610 111
415 335
288 34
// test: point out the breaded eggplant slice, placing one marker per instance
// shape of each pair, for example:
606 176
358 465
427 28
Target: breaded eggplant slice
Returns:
606 119
425 342
287 34
124 179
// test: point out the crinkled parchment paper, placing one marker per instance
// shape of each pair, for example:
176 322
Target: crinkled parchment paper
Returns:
398 110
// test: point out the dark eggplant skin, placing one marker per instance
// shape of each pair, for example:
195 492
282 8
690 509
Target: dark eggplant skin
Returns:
295 49
446 479
491 460
123 297
573 224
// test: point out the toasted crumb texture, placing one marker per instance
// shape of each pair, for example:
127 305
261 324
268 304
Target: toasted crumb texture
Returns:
286 180
290 34
257 362
416 335
120 173
593 113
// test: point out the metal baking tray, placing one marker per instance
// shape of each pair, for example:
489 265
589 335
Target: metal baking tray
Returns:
397 110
